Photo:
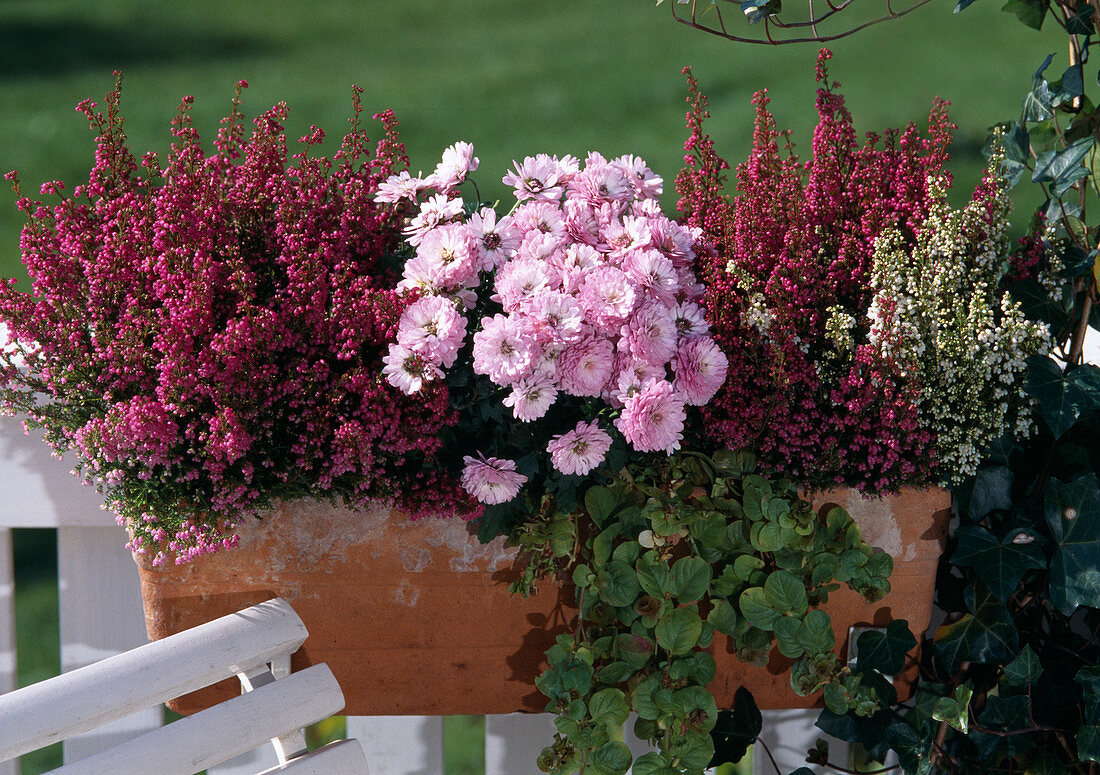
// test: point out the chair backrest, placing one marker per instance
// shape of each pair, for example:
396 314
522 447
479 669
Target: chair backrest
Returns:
251 644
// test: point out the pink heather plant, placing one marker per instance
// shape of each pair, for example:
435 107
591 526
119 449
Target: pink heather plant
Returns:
790 294
208 334
580 308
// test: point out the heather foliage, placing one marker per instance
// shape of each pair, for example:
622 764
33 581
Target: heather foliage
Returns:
792 296
207 334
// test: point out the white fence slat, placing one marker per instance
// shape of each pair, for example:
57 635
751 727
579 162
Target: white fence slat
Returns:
257 760
8 675
400 745
789 734
343 757
39 491
101 615
514 741
120 685
222 731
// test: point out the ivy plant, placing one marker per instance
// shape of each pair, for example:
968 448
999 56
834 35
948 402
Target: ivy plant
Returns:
667 556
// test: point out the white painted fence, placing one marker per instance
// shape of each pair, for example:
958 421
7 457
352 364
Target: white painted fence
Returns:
101 615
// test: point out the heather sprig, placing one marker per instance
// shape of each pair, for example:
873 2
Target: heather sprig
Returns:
792 294
207 334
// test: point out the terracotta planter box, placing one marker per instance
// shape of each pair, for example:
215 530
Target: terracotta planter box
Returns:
416 618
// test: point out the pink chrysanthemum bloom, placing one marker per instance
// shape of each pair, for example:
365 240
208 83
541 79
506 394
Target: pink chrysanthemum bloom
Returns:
573 264
408 370
580 450
647 184
491 480
630 375
626 234
400 186
650 334
653 418
505 349
495 240
607 296
541 177
673 240
600 182
457 162
558 317
437 210
585 367
653 272
700 367
519 282
581 223
540 216
690 320
450 249
531 397
432 327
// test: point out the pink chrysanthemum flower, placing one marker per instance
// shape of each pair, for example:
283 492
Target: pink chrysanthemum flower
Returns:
433 327
457 162
607 296
495 240
653 272
408 370
540 216
585 367
491 480
437 210
650 334
518 282
647 184
400 186
573 264
557 316
581 223
630 375
629 233
600 182
450 250
580 450
653 418
505 349
531 397
541 177
690 320
700 367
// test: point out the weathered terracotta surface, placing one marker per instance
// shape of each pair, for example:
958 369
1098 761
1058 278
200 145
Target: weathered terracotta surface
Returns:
416 618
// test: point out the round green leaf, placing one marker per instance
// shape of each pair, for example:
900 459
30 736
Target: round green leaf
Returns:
678 631
609 706
690 579
785 593
756 608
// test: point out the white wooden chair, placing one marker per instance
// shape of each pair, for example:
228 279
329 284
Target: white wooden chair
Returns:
254 644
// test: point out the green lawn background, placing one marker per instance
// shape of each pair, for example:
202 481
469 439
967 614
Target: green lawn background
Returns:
515 78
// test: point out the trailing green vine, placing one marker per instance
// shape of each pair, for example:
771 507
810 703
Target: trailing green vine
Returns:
664 558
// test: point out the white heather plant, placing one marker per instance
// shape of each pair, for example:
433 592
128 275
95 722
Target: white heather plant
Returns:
939 308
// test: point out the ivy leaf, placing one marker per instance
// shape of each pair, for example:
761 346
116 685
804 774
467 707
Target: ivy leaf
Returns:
678 631
599 502
1073 81
1088 743
1030 12
1025 669
736 729
1003 715
1089 678
992 491
1062 399
497 520
985 635
758 10
963 4
885 651
1000 564
1073 514
1082 23
955 710
1062 167
1037 103
907 744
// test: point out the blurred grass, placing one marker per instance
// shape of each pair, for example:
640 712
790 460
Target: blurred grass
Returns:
515 78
